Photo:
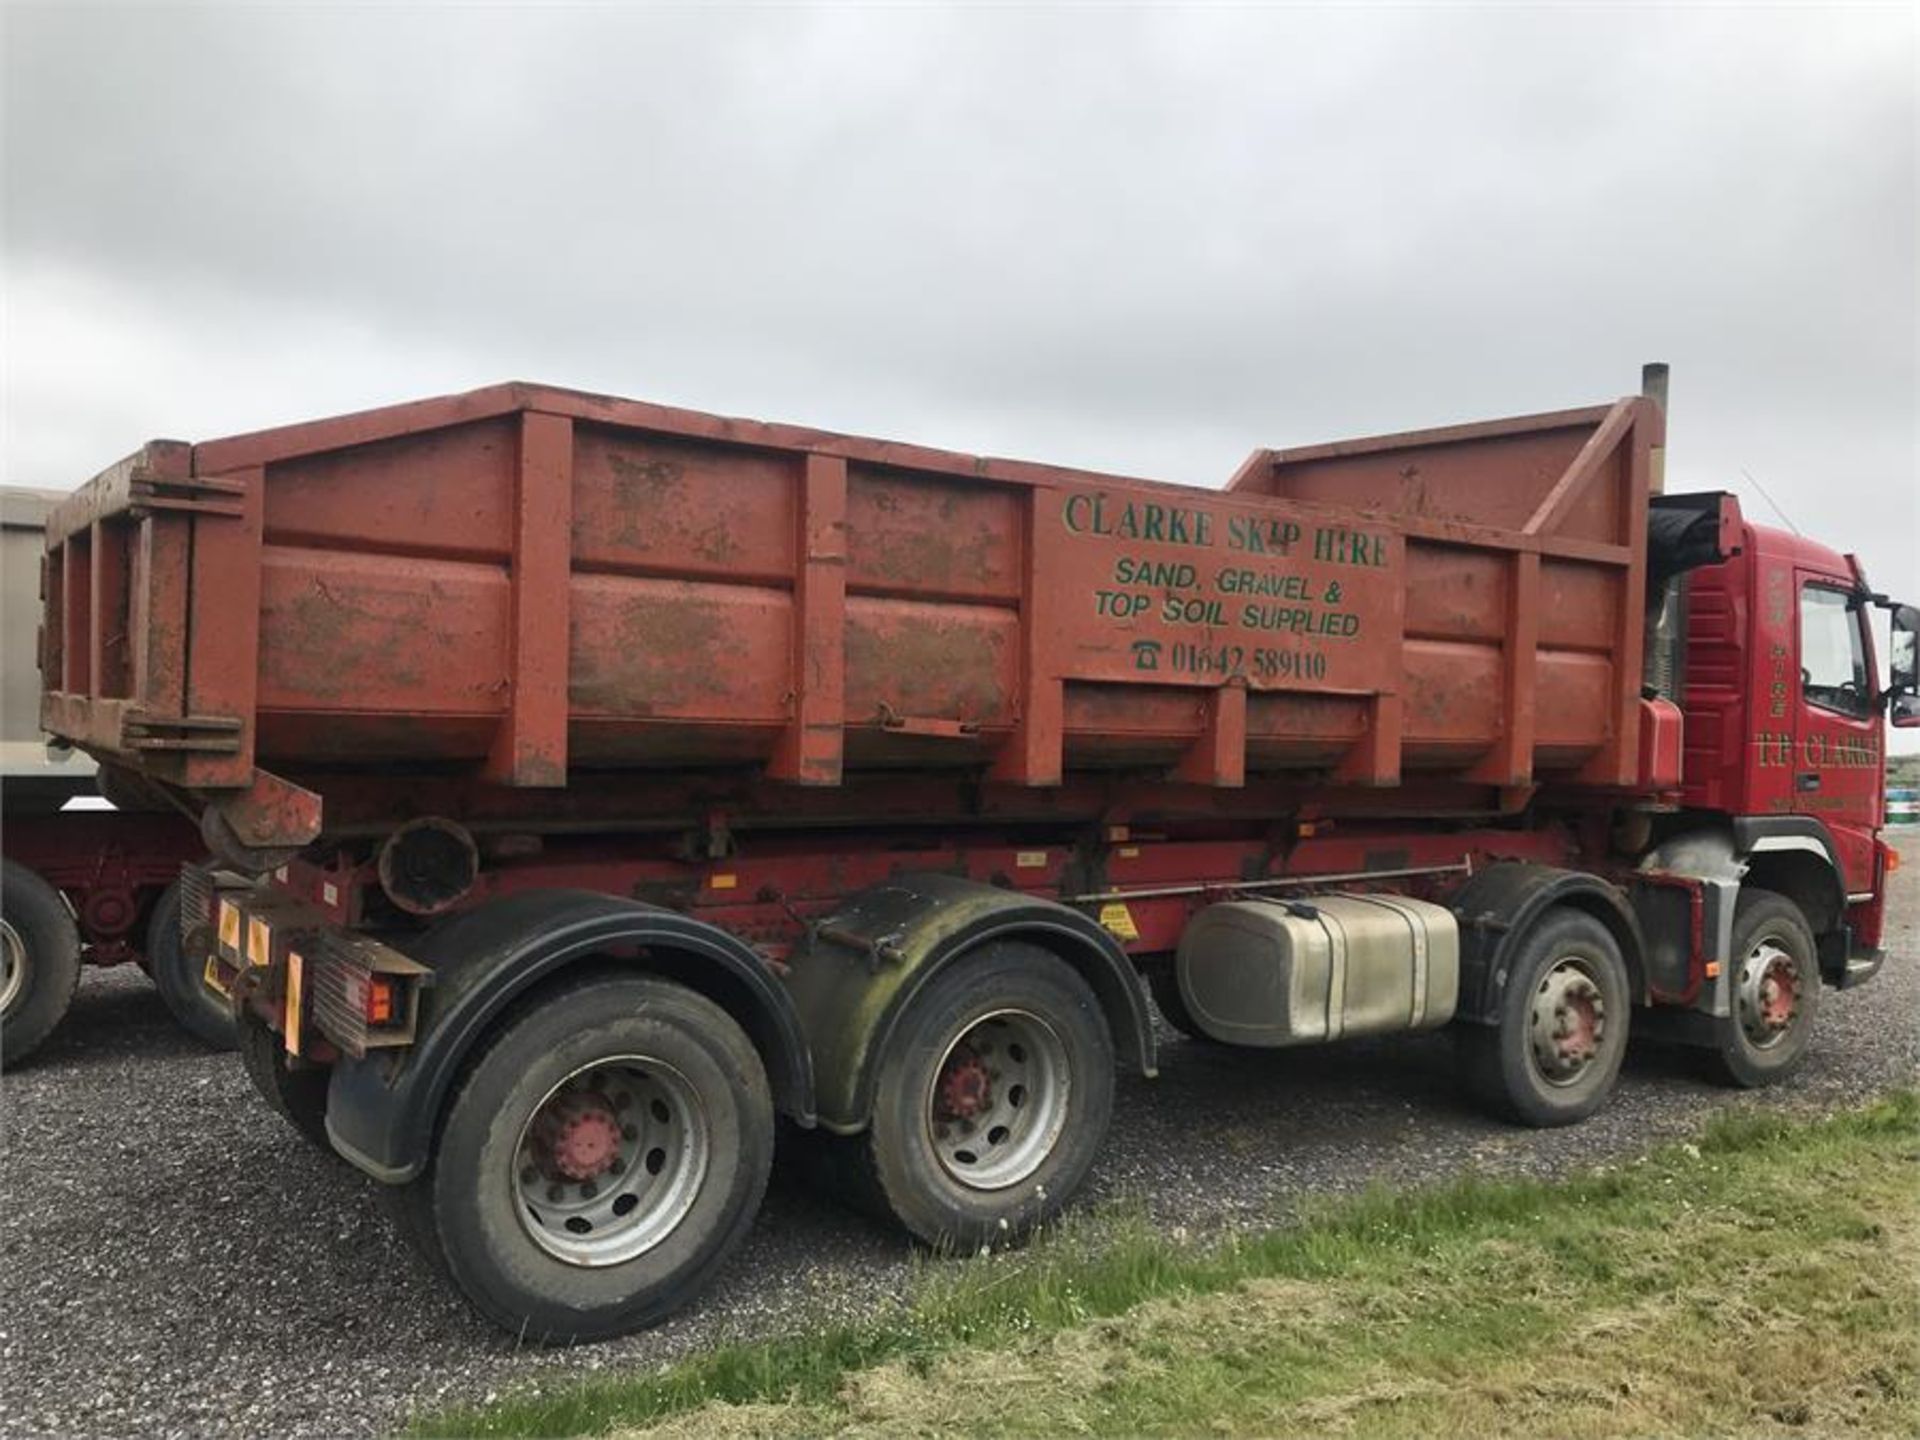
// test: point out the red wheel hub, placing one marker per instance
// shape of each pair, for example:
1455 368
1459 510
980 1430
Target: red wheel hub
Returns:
966 1086
1779 995
1580 1040
577 1137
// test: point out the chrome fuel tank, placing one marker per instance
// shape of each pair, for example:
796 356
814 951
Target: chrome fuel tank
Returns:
1269 972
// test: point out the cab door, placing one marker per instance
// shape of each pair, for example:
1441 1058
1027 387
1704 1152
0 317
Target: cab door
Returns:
1836 743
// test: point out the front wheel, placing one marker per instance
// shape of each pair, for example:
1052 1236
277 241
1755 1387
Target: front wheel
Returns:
601 1158
992 1099
1555 1055
39 961
1776 993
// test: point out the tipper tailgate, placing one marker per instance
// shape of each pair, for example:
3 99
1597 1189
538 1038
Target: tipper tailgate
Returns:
121 592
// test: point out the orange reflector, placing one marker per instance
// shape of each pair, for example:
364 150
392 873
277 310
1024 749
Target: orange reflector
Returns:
1893 860
259 941
296 983
382 994
1713 969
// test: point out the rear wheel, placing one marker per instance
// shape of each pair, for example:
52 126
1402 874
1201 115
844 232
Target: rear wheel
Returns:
992 1100
602 1157
1776 993
298 1097
39 961
177 976
1555 1055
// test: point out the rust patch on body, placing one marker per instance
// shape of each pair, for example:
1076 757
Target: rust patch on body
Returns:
949 671
648 655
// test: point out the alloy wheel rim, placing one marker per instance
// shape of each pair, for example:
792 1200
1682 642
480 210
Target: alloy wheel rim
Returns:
998 1100
1769 993
13 966
1567 1027
611 1160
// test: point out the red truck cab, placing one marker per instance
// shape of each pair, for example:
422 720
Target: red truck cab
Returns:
1783 705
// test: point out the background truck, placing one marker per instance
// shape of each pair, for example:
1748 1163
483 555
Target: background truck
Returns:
621 778
79 887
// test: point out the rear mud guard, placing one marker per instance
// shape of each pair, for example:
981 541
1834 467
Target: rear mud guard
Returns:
867 961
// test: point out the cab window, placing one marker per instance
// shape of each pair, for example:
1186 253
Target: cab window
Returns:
1833 662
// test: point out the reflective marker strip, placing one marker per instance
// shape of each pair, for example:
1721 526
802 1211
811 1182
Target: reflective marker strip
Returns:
296 972
259 941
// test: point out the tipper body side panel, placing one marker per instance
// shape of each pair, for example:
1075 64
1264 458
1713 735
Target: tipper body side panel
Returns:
530 588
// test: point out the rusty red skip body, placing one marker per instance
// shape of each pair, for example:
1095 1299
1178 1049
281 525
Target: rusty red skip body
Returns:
552 608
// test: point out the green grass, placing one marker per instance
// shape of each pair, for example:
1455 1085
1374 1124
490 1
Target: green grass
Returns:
1758 1281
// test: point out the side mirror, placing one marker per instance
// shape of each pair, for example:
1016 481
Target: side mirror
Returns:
1903 667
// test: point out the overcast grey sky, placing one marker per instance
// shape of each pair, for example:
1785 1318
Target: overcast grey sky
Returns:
1145 240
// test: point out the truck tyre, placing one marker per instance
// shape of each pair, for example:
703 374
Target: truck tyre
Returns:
39 961
1776 993
601 1158
298 1097
992 1099
1556 1052
176 975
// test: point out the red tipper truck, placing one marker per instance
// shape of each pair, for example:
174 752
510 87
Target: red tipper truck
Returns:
621 777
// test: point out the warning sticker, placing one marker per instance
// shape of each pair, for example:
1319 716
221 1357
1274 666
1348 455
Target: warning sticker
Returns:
1117 920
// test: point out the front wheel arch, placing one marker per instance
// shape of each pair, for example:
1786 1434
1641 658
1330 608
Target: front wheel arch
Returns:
1812 885
1498 908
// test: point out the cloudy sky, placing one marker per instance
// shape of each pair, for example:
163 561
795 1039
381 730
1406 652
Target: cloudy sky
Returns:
1145 240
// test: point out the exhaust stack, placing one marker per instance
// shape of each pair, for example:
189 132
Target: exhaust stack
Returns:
1653 385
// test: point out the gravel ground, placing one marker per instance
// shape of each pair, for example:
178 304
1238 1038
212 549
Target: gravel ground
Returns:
174 1261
